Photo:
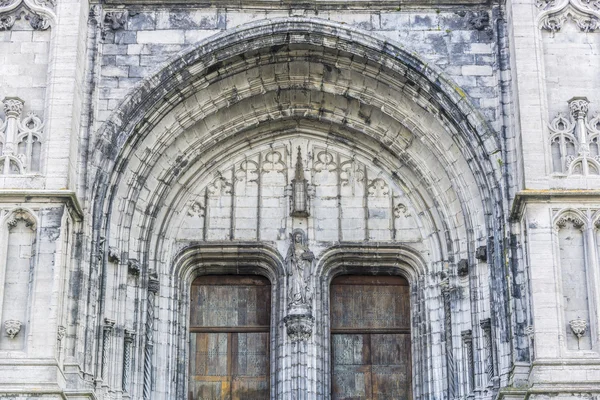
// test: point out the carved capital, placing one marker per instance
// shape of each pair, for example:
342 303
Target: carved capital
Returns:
129 336
486 324
133 267
579 107
153 285
13 106
299 326
467 336
109 324
12 327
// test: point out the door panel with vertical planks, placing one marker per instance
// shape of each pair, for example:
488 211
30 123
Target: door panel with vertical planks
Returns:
370 335
229 338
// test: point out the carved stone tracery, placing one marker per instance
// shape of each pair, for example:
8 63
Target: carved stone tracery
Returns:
573 138
21 139
555 13
39 13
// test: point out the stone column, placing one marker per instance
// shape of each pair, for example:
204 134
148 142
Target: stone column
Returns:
109 324
13 107
153 285
486 327
128 343
467 337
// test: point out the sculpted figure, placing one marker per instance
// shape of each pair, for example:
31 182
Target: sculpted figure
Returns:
299 260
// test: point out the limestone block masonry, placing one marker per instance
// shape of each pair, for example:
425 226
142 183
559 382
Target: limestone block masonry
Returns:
146 143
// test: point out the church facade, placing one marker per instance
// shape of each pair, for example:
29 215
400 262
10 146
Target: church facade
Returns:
326 199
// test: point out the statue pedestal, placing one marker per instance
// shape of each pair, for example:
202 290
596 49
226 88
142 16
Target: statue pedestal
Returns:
299 323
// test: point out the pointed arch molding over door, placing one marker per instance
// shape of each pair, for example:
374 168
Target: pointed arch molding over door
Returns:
191 175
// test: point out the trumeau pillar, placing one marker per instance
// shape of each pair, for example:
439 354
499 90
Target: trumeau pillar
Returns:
299 262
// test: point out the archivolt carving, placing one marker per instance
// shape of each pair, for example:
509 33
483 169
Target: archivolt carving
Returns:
584 13
39 13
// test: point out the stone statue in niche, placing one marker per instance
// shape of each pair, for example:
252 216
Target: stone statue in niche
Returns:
299 261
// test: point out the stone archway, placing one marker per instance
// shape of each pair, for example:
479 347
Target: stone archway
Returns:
226 118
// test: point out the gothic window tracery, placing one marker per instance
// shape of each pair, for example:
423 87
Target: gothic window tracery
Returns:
574 141
20 140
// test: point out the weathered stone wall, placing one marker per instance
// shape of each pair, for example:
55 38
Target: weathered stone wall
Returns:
154 114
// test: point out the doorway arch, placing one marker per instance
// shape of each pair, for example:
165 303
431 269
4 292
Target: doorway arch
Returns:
304 79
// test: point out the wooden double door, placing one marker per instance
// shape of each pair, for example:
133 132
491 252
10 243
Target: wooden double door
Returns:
229 338
230 343
370 338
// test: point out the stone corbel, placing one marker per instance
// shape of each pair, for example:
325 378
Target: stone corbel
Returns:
12 327
39 13
554 14
299 326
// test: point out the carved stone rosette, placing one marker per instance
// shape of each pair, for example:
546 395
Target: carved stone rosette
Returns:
12 327
299 326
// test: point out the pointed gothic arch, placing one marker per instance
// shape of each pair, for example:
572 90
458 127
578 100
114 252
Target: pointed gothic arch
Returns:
358 96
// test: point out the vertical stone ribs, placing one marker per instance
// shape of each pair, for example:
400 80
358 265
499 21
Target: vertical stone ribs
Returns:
446 290
153 285
128 342
467 337
106 332
486 327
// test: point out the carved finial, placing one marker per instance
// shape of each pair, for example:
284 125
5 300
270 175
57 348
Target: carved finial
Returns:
299 175
299 190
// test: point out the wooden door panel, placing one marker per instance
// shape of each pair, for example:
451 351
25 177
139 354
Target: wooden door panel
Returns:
250 354
390 382
370 340
229 338
351 382
250 388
